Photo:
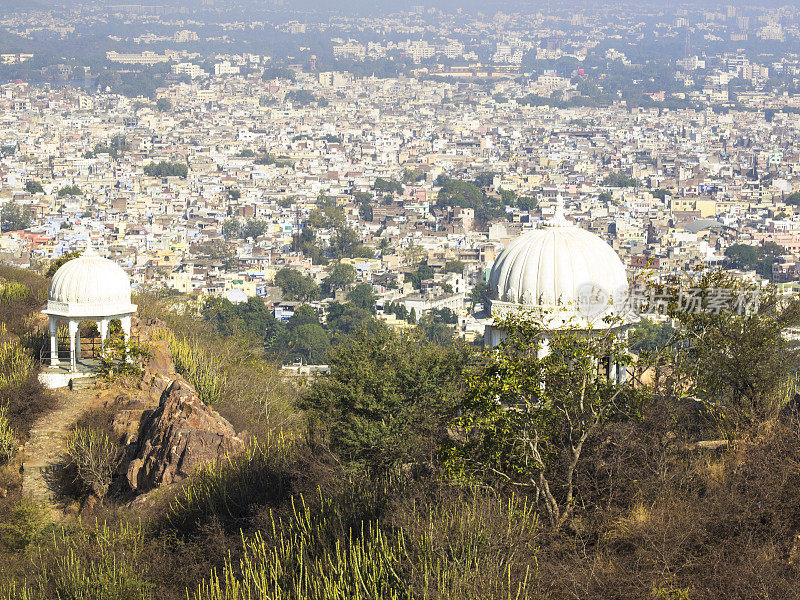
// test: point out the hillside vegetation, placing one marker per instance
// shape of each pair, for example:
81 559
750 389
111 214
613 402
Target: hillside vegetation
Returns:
426 470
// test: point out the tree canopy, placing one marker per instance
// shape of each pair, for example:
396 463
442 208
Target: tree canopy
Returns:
387 399
15 217
296 286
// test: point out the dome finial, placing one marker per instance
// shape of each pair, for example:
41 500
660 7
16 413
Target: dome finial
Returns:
90 251
559 220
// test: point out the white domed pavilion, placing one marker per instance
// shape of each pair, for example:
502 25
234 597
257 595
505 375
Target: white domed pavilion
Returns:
87 288
563 275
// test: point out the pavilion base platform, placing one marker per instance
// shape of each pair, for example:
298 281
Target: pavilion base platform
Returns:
59 376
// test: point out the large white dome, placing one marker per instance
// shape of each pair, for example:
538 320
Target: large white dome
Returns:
90 284
567 275
553 267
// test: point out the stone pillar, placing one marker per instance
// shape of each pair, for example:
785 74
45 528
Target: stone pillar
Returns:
78 353
103 333
53 341
125 323
73 330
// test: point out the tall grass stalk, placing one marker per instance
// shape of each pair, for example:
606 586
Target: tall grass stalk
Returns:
229 490
16 365
198 366
8 441
487 550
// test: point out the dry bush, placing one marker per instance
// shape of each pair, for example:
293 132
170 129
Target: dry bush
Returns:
26 402
93 457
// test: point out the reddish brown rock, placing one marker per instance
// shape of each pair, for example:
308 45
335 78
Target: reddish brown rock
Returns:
179 436
159 372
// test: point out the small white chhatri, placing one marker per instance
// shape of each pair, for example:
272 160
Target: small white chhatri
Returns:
87 288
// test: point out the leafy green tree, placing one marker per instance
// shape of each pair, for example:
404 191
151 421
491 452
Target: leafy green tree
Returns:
339 277
737 360
14 217
480 294
296 286
435 330
251 320
454 266
741 256
387 399
115 148
793 199
304 98
421 273
455 192
363 296
346 243
348 319
232 229
649 336
310 342
527 203
70 190
527 415
166 169
615 179
387 186
605 197
754 258
254 228
304 315
163 105
365 205
444 315
34 187
411 176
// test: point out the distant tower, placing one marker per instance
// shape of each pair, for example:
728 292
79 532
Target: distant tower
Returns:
312 63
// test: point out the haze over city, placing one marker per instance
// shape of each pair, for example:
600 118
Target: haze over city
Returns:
399 300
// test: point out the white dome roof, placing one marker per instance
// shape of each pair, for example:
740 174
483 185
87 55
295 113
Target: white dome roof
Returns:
554 266
90 285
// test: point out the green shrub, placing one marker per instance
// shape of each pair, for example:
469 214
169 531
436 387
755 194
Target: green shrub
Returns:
100 563
198 367
16 365
27 522
8 441
123 358
93 457
480 549
309 560
12 291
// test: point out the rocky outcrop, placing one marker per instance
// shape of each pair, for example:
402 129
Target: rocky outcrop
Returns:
179 436
159 372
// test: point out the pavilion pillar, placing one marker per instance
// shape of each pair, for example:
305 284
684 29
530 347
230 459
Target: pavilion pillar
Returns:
125 323
103 333
78 353
73 330
53 341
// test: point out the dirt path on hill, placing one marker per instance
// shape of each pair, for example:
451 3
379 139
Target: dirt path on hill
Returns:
44 450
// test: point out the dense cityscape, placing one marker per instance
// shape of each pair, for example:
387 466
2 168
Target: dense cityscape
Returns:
399 300
237 165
